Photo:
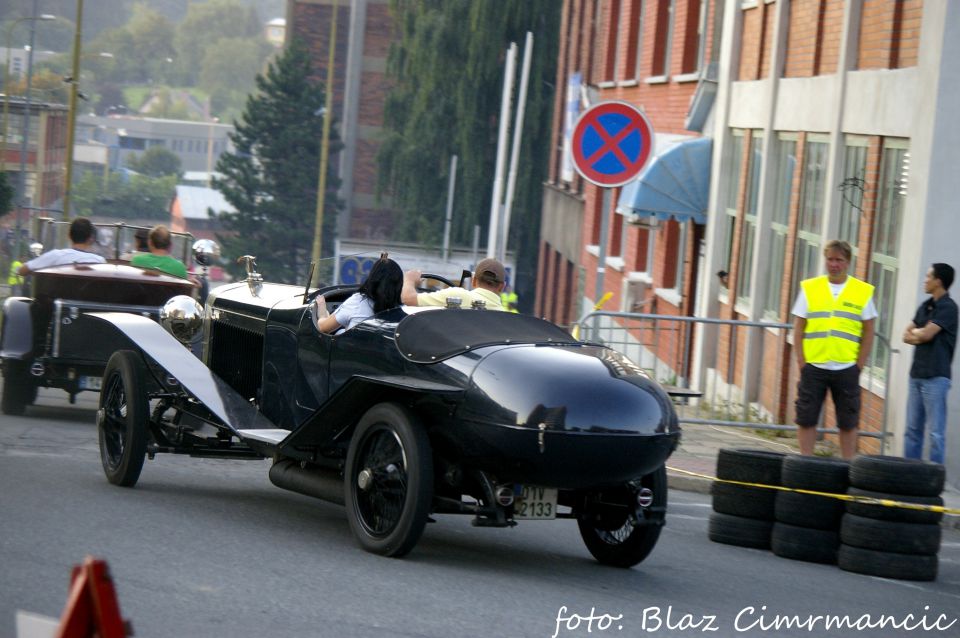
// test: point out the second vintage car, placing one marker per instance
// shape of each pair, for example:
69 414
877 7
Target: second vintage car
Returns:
413 413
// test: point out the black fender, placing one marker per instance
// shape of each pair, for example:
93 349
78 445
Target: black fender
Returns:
16 340
335 420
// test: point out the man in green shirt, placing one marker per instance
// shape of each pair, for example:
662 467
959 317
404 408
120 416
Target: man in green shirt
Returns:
159 257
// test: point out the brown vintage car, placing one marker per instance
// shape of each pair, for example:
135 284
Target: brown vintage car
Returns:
47 339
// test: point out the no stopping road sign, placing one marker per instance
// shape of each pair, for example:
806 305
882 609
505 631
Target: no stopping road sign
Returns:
612 142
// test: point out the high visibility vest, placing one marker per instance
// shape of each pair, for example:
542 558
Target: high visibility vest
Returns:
834 326
14 278
509 301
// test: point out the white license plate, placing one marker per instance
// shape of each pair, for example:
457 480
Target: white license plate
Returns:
90 383
533 502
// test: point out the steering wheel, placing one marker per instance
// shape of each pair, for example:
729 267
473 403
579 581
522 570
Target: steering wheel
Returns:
430 283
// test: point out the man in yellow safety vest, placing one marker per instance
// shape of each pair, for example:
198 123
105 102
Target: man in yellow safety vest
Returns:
834 317
508 299
14 280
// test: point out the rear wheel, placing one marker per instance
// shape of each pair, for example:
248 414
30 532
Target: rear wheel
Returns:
122 418
617 529
389 480
19 390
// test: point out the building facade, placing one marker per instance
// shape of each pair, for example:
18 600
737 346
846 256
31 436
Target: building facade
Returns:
364 34
45 153
831 119
832 122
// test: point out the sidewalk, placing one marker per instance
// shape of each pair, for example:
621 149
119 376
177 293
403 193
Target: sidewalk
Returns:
700 445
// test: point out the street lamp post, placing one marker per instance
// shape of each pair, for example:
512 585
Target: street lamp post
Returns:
72 112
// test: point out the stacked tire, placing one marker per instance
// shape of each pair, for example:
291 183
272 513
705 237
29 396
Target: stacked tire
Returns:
743 515
807 526
886 541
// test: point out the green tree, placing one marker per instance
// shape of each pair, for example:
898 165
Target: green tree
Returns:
271 178
204 26
229 68
139 197
447 70
156 161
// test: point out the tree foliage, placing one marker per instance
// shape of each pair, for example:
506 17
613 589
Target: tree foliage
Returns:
156 161
448 70
134 197
272 177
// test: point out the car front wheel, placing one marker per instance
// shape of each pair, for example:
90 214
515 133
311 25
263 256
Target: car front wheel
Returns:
389 480
122 418
621 526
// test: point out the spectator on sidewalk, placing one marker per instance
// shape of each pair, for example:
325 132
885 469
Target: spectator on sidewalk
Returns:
834 320
934 333
159 257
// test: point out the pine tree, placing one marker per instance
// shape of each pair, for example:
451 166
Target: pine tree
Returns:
448 67
272 177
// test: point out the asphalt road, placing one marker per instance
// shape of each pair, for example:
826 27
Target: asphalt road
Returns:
209 548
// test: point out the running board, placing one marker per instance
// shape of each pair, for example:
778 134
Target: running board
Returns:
273 436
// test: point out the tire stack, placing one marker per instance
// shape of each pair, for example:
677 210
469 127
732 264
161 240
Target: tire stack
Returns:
744 515
807 526
892 542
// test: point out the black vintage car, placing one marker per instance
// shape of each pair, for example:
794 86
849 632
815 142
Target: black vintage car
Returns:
412 413
48 340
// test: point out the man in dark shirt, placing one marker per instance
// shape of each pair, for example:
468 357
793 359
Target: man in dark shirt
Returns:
934 333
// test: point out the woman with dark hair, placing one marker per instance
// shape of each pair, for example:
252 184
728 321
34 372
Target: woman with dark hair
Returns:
379 291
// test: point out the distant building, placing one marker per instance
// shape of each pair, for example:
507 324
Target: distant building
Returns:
275 31
17 60
46 151
197 144
190 211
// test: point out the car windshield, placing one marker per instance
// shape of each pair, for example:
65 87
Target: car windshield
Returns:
428 337
114 241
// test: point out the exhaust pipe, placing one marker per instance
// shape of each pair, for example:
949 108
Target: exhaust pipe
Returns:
313 481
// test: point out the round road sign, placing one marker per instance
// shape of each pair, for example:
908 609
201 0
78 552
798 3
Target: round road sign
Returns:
612 142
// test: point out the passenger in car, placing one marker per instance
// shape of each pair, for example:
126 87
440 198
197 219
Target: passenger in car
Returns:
380 291
159 257
82 235
487 284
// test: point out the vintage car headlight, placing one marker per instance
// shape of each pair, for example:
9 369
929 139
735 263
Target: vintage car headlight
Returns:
206 251
182 316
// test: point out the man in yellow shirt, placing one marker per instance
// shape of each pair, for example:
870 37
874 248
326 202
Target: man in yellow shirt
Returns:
833 331
488 282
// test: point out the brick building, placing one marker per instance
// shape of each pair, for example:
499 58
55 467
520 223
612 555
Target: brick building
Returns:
364 34
46 152
831 119
832 122
657 55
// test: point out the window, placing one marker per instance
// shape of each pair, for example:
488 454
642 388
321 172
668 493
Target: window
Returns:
634 41
786 162
852 186
749 229
695 38
732 193
884 257
807 257
133 143
681 257
663 38
613 42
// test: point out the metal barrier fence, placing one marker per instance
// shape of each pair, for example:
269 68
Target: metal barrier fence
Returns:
740 378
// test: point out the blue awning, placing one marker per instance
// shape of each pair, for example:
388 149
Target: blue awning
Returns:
675 184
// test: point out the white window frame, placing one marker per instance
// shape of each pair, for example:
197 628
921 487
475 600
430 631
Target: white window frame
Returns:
780 223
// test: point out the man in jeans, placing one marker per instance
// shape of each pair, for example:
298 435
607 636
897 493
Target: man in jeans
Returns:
934 333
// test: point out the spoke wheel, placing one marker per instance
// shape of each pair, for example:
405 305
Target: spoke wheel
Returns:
389 480
122 418
607 521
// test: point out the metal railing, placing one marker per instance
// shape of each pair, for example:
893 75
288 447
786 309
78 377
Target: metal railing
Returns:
741 377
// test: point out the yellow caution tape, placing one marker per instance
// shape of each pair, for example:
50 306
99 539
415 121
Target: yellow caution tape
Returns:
866 500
